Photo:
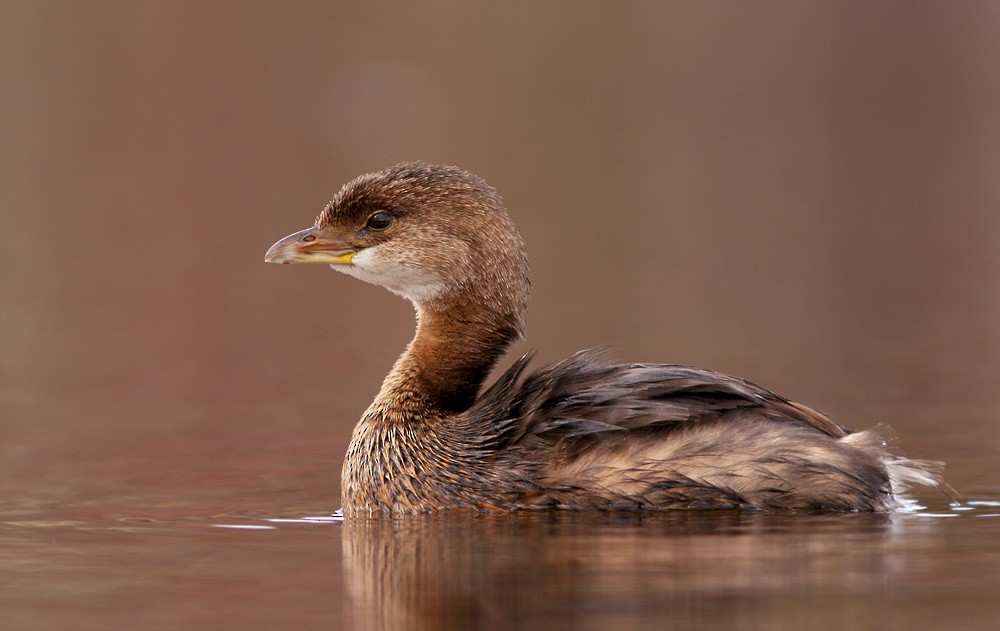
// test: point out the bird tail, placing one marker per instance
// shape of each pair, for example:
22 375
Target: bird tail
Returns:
904 473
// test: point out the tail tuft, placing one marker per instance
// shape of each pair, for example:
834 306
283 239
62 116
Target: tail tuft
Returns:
903 472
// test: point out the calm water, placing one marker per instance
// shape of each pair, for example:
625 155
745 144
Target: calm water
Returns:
234 528
165 563
802 194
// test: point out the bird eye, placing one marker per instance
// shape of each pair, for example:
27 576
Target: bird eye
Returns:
379 221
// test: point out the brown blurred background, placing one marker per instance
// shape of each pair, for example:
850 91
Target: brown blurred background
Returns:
802 193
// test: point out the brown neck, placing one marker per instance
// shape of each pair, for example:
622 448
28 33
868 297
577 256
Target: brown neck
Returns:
444 367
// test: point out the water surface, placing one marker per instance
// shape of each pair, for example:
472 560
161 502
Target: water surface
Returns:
168 566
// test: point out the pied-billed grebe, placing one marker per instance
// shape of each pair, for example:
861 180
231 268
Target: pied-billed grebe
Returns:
586 433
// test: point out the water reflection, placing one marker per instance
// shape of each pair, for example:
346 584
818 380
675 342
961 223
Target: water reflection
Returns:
586 570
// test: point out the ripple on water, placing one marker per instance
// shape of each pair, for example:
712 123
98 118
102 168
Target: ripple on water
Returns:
971 508
335 518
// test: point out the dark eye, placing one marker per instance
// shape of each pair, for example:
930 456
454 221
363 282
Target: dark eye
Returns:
379 221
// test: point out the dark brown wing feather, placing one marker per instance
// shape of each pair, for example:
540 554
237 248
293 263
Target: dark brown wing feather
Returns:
589 433
588 394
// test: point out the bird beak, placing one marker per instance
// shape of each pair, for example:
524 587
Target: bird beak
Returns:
313 245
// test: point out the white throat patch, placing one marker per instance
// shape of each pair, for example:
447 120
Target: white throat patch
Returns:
416 284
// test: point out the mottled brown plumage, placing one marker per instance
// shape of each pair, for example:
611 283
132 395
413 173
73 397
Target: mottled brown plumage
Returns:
587 433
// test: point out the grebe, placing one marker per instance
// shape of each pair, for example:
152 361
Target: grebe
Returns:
586 433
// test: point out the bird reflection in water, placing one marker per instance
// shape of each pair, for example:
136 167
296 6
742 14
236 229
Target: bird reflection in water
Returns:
581 570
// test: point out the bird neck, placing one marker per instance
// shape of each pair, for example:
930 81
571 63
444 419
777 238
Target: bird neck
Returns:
442 370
